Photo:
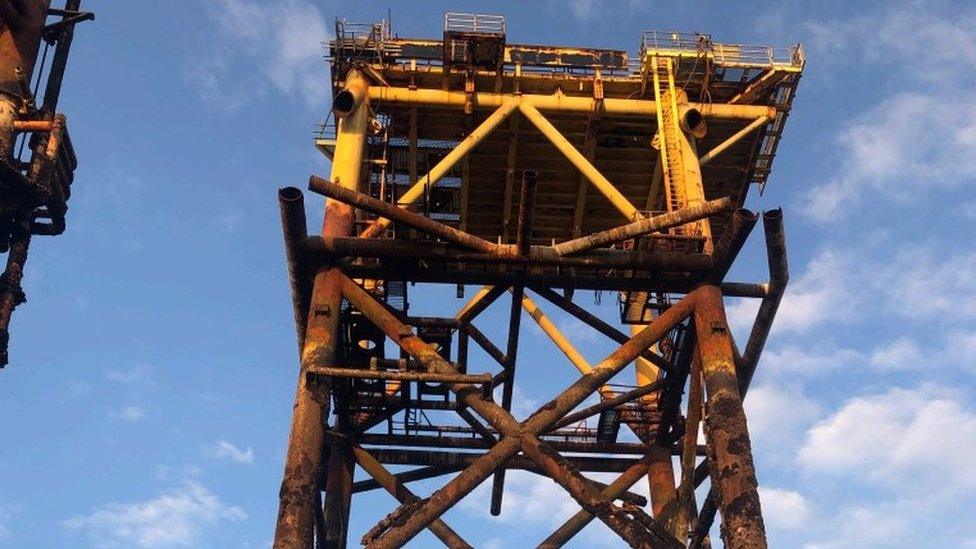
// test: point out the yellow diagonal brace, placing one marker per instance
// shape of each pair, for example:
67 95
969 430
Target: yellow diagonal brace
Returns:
589 171
415 192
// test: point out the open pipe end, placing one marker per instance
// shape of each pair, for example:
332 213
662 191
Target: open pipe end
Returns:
693 122
348 99
290 194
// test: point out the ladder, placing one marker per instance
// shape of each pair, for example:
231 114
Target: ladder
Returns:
669 135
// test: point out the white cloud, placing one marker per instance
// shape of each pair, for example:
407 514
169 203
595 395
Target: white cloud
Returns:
909 144
901 354
282 40
225 450
906 439
808 360
128 414
818 295
175 518
912 142
784 509
778 415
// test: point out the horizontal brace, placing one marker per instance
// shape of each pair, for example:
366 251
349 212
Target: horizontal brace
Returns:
400 215
451 274
400 376
487 100
538 255
643 226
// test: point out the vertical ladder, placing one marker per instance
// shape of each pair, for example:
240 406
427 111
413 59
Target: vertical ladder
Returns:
669 135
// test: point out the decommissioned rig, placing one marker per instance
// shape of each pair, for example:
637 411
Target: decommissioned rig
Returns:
37 160
527 174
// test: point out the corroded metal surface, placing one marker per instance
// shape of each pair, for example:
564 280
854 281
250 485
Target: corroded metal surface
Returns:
454 108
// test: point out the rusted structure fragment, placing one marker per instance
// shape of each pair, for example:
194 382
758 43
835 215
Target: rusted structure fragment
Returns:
37 160
468 161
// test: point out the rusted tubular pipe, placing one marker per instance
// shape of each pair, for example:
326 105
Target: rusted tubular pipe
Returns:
33 125
354 373
636 532
779 277
508 447
622 398
732 240
745 289
303 462
538 255
471 443
295 229
482 340
735 138
400 215
730 454
404 495
644 226
441 458
514 325
422 473
530 179
574 525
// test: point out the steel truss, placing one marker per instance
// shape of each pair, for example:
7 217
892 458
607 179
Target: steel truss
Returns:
338 282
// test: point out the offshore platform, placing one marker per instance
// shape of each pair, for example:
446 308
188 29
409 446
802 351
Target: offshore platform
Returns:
524 175
37 160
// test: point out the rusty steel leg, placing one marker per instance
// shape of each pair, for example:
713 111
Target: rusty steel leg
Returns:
338 493
303 463
403 494
687 509
730 452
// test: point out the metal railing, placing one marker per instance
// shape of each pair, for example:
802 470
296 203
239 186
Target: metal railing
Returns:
729 55
472 22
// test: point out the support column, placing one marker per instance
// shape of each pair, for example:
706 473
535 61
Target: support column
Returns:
303 463
660 473
730 452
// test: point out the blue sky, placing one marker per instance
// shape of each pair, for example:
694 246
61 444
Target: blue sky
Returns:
152 370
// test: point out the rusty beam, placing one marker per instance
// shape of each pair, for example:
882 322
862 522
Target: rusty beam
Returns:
303 462
643 226
324 248
400 215
730 453
403 494
631 525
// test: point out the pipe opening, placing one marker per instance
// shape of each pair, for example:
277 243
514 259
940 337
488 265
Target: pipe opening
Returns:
289 194
344 103
694 123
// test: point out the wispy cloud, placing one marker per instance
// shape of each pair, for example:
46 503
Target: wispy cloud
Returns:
279 42
128 414
892 438
226 450
913 141
177 517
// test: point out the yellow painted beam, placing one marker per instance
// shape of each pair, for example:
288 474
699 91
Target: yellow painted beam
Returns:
415 192
735 138
488 100
585 167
